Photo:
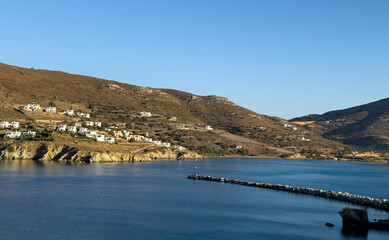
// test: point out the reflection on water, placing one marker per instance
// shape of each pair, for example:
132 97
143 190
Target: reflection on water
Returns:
54 200
16 165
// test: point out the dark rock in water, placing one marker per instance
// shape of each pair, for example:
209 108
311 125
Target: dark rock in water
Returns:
358 219
330 225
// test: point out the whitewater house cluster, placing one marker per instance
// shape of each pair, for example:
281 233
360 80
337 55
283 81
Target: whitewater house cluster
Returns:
108 134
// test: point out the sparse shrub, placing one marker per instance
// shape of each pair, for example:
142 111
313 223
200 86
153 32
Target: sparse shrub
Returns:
10 148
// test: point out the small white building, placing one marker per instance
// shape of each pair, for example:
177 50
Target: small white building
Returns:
98 124
209 128
61 128
33 107
126 133
145 114
110 140
69 112
82 131
29 133
72 129
159 143
178 147
51 109
100 137
90 134
305 139
89 124
13 134
77 124
147 139
165 144
14 124
4 124
173 119
83 115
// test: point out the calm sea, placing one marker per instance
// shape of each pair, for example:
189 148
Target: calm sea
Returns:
156 201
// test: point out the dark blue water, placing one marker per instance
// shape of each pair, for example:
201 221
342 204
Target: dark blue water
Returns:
156 201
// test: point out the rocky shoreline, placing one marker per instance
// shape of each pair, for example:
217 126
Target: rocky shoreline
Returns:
346 197
54 152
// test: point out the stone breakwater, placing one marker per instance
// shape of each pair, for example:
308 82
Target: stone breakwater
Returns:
346 197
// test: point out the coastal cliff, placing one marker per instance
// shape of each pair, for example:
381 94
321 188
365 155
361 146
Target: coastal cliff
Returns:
46 151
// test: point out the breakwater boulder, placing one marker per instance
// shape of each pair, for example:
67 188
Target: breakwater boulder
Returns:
346 197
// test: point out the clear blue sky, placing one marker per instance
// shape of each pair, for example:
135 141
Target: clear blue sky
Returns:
284 58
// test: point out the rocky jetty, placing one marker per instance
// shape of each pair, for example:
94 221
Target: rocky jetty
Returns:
346 197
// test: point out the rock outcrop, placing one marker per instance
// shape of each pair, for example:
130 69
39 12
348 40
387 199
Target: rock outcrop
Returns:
46 151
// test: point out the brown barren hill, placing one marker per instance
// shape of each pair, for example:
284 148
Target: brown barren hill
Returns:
233 130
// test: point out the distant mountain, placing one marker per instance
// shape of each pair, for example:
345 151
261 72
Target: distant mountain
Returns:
236 130
366 125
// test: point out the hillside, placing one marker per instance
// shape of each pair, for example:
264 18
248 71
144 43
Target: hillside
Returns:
366 125
232 130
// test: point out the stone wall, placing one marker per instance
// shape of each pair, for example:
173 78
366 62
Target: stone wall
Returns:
346 197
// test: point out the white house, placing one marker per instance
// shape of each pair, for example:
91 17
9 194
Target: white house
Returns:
306 139
178 147
13 134
147 139
209 128
126 133
14 124
68 112
72 129
100 137
173 119
33 107
4 124
61 128
145 114
77 124
89 124
83 115
165 144
110 140
51 109
98 124
159 143
90 134
82 131
31 133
